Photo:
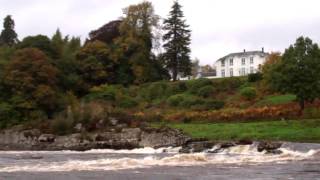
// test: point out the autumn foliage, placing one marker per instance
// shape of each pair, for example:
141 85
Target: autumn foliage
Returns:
30 77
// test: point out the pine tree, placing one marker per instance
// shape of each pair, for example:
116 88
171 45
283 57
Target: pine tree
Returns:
8 36
57 44
177 41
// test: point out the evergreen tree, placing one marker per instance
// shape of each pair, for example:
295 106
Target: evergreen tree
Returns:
8 36
57 44
177 41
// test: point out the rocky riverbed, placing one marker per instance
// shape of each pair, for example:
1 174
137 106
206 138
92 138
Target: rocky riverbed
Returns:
20 139
127 138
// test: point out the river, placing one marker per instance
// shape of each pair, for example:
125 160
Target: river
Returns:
298 161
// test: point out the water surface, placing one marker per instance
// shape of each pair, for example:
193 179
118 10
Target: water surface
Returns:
298 161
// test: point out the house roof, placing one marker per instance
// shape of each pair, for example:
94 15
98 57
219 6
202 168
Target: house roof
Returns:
247 53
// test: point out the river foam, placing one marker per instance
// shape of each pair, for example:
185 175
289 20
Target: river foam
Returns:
243 154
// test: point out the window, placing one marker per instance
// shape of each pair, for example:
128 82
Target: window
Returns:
243 71
223 73
243 60
251 60
231 62
223 63
231 72
251 70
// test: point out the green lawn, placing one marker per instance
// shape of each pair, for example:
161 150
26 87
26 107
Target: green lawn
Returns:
277 99
299 131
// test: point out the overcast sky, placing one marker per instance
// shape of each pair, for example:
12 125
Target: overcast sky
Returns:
218 27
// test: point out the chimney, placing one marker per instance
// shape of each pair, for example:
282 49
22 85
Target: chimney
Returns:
244 50
263 49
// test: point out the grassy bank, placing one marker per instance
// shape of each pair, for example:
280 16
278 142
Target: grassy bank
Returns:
298 131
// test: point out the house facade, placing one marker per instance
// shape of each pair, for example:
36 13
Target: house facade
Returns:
240 64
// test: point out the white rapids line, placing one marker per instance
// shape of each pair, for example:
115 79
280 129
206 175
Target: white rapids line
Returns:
244 154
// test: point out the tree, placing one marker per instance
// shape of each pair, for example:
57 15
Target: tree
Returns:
136 41
69 77
31 82
8 36
40 42
298 71
195 68
177 41
57 45
272 60
95 66
207 69
107 33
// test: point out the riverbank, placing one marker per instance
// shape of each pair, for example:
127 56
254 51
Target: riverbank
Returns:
20 139
293 130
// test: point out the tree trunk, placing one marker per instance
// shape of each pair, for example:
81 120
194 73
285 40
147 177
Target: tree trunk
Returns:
174 74
302 106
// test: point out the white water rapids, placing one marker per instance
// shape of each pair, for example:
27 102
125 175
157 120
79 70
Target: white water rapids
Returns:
104 160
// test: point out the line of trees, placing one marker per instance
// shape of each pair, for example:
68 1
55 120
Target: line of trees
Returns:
39 73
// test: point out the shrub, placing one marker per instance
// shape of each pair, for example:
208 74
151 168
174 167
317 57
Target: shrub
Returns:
248 93
62 125
184 100
228 84
149 116
195 85
126 102
155 90
175 100
176 88
104 92
255 77
189 101
88 114
237 115
205 91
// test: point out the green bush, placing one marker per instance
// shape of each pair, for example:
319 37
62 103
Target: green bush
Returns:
176 88
205 91
175 100
104 92
228 84
194 85
255 77
189 101
155 91
248 93
184 100
126 102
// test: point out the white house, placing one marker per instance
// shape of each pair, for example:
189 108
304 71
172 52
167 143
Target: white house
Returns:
240 64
